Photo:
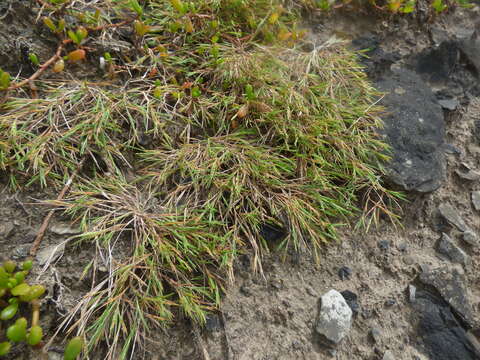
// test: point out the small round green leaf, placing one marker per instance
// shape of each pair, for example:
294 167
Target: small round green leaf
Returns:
73 348
35 335
20 276
9 266
21 289
5 348
35 292
16 333
3 273
22 322
27 265
11 283
9 312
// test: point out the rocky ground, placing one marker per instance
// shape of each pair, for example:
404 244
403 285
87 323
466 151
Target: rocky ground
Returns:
405 292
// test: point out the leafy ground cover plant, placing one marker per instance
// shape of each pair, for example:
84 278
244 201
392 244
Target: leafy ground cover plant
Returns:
214 122
388 6
17 297
14 292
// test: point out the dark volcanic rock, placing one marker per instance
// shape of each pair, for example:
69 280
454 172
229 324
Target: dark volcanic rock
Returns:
452 216
272 232
437 65
352 300
448 248
344 273
470 48
377 61
415 129
450 283
441 335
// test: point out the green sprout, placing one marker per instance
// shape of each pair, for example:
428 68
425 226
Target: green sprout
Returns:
135 6
4 80
34 59
78 36
439 6
73 348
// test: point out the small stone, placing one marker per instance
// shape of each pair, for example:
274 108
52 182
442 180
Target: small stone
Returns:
384 244
390 302
52 355
403 247
213 323
352 300
448 248
450 214
470 238
6 229
335 318
367 313
448 104
476 200
452 149
412 291
388 355
64 229
50 253
21 251
309 290
409 260
245 290
376 334
296 345
332 352
344 273
470 175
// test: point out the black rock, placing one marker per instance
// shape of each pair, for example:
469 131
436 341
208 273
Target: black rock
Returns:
213 323
352 300
415 130
272 232
470 49
436 65
344 273
452 149
448 248
377 61
450 283
403 247
470 238
384 244
439 332
452 216
390 302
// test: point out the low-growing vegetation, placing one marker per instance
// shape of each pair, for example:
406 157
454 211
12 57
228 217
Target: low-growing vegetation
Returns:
17 298
193 127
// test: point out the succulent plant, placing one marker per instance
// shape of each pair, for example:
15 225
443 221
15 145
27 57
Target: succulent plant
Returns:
15 293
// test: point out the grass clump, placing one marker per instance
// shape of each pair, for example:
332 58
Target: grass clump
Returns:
221 125
170 261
